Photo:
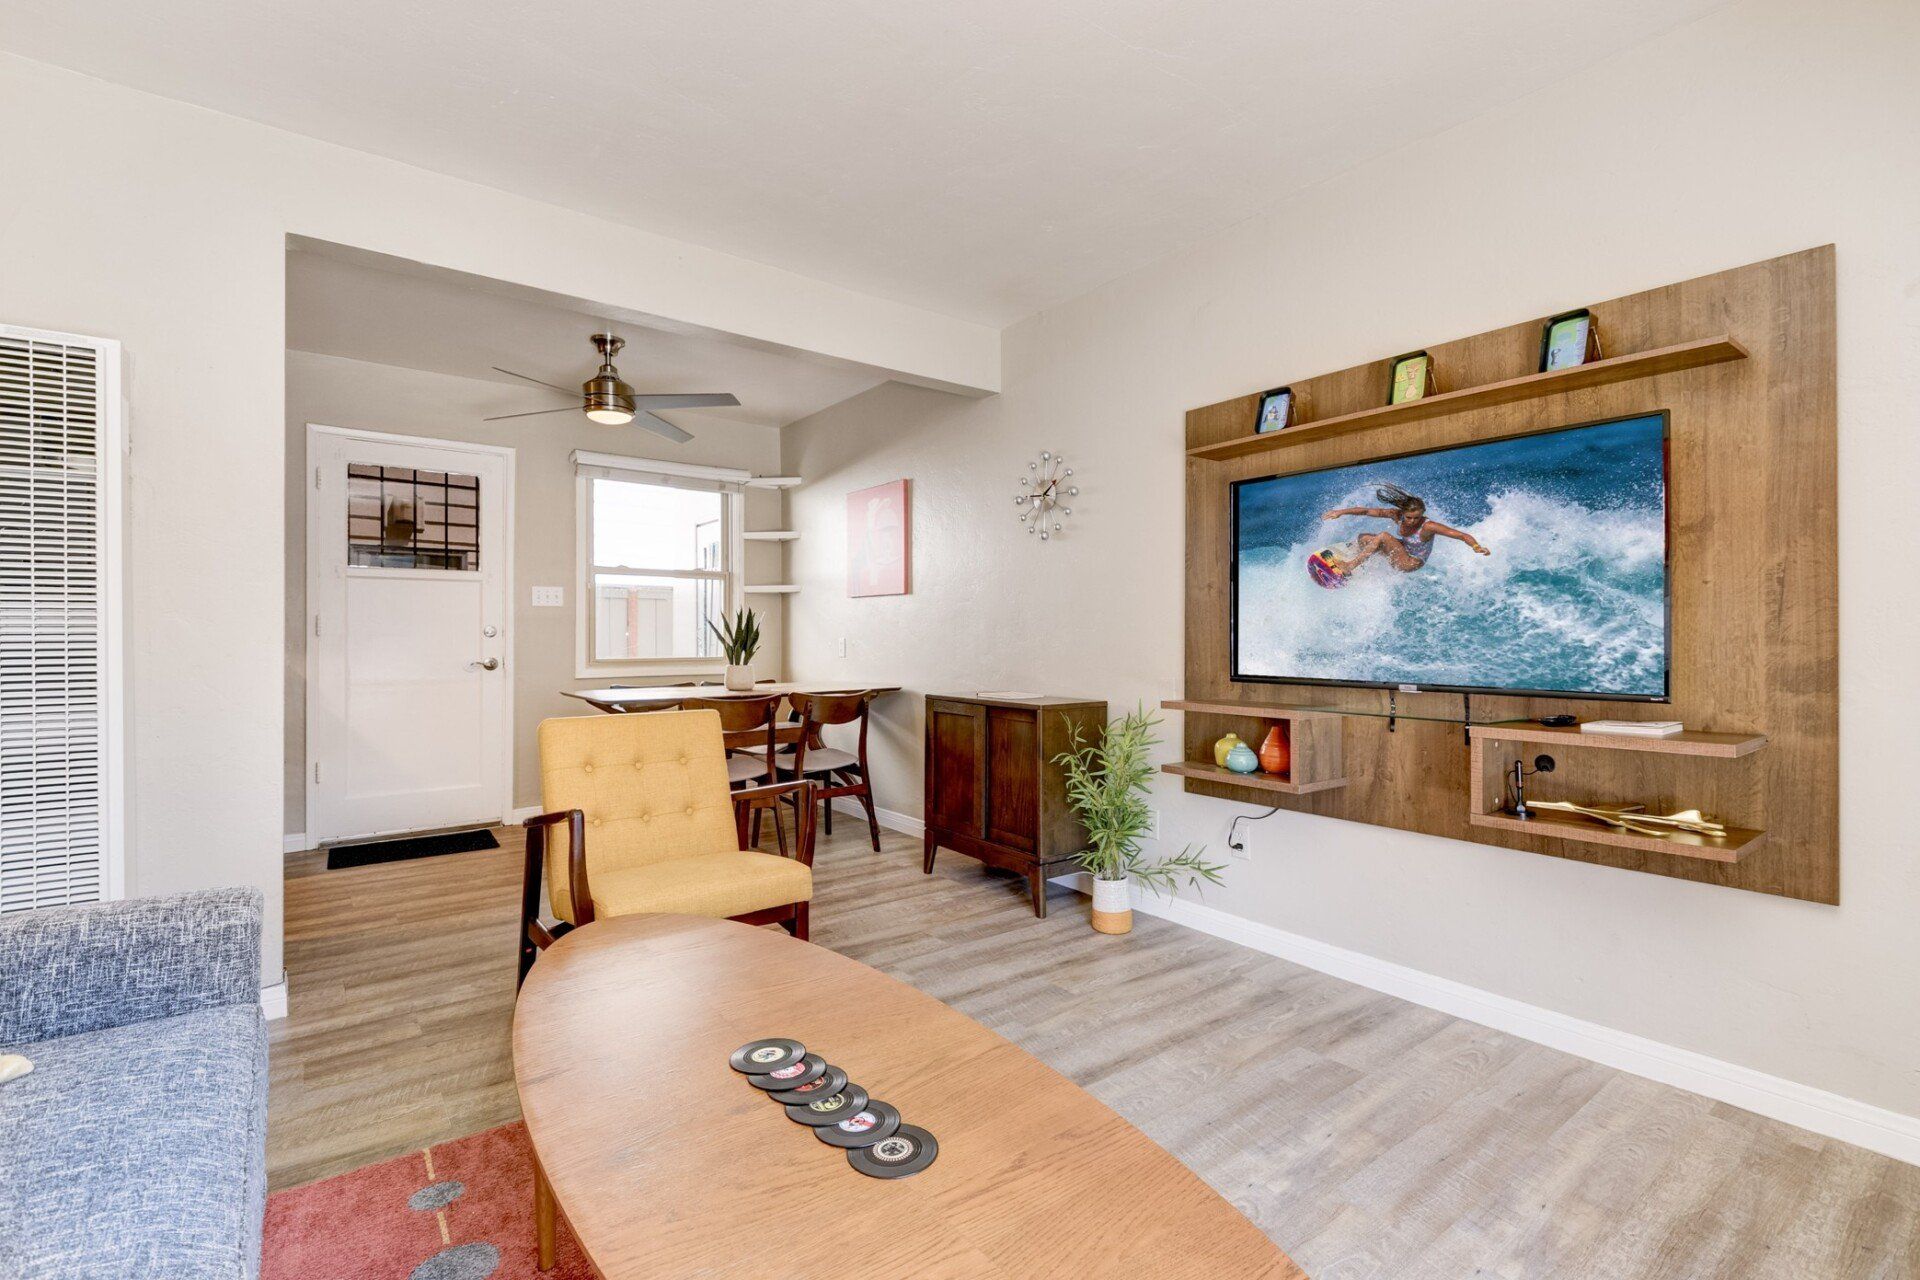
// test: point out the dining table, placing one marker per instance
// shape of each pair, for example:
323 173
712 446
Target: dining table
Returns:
622 697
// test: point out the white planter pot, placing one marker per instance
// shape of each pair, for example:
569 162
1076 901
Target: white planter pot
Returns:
739 678
1112 906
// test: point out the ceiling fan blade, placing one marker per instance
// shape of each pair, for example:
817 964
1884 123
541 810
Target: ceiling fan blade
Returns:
687 400
662 426
565 391
501 417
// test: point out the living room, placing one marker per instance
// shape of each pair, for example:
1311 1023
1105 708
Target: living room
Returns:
1302 411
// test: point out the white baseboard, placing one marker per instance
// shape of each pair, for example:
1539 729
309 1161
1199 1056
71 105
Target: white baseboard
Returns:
294 842
1890 1133
905 823
273 999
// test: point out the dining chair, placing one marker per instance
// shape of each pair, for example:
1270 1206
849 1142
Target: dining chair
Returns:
750 728
837 772
654 826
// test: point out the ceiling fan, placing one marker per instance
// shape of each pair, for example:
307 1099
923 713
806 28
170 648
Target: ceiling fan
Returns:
605 398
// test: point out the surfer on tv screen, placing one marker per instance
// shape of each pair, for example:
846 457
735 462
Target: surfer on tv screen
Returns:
1408 544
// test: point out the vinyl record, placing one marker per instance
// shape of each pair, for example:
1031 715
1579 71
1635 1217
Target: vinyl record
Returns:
791 1076
832 1081
876 1120
909 1150
757 1057
835 1107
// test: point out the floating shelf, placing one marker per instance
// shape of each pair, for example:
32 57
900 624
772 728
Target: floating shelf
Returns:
1257 711
1720 746
1642 364
1735 845
1258 781
773 589
771 535
772 482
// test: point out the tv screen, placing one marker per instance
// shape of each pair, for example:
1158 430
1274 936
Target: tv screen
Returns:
1533 565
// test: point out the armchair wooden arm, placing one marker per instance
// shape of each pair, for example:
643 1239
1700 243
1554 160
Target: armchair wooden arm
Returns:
746 800
535 937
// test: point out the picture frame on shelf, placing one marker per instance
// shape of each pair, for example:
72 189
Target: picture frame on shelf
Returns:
1276 412
1569 340
1410 377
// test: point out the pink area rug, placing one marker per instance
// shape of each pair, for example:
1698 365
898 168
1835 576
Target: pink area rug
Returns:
462 1210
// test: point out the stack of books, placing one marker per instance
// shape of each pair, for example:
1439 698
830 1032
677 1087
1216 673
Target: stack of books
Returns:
1634 728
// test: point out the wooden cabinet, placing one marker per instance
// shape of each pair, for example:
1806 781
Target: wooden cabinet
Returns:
993 791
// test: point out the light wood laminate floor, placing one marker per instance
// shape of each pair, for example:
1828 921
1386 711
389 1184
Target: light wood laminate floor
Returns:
1369 1137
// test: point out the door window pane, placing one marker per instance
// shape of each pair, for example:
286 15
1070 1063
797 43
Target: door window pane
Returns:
637 615
402 518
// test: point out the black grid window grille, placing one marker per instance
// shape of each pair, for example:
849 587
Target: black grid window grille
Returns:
401 518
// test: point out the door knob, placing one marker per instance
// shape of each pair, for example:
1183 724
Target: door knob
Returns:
491 664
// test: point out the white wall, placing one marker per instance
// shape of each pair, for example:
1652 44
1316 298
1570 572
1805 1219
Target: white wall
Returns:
165 226
1768 127
377 397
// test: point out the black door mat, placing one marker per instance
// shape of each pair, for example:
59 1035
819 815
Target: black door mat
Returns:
366 855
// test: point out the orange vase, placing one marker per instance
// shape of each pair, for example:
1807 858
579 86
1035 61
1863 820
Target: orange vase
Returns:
1274 755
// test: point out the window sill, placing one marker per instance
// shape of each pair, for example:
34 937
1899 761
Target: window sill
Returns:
660 669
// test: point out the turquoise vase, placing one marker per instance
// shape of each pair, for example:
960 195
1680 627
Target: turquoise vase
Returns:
1243 759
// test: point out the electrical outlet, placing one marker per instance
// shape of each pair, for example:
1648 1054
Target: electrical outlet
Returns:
1237 841
549 597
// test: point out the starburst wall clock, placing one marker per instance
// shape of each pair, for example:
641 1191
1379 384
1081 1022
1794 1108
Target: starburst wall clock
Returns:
1043 493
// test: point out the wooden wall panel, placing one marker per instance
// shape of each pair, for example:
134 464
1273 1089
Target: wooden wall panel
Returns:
1755 628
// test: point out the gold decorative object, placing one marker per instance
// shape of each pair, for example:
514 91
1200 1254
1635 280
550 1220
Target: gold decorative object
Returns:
1629 817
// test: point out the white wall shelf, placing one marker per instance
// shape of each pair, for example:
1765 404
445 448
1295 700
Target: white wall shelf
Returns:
771 535
772 482
772 589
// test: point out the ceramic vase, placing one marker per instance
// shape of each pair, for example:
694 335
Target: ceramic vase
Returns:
739 677
1242 759
1223 746
1112 906
1274 753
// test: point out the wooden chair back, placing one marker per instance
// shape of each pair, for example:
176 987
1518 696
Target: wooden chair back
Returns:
744 722
818 709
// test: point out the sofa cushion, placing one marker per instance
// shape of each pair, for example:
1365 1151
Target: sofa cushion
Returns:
138 1151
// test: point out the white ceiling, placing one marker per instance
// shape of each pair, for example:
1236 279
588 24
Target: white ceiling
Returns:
983 159
340 305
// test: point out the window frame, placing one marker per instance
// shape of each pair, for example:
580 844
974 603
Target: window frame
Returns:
732 552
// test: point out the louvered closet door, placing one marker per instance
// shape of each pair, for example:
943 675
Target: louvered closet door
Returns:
57 397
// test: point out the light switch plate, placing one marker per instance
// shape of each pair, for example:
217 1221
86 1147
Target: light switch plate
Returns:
549 597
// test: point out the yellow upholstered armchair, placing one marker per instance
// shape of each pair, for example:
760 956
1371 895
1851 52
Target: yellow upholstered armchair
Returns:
652 825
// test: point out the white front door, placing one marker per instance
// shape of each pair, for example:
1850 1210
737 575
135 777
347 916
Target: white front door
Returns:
409 700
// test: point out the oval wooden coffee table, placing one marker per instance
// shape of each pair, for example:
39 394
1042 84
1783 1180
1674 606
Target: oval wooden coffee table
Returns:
665 1162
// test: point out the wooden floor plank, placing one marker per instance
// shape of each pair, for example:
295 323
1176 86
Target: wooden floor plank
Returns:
1369 1137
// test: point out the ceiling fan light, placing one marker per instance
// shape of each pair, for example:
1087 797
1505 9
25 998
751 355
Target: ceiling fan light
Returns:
611 415
607 399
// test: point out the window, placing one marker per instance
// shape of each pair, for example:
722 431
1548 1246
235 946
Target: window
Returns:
400 518
658 553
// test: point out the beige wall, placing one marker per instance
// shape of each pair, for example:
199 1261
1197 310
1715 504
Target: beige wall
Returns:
165 226
376 397
1767 127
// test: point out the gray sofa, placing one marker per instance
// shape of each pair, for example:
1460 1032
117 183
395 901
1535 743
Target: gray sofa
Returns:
137 1145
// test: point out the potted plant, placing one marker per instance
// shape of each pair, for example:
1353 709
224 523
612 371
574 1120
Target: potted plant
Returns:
739 638
1107 786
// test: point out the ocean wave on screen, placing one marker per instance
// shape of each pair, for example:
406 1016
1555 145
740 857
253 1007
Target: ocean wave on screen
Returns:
1572 597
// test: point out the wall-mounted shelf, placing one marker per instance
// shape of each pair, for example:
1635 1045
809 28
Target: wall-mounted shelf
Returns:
772 482
771 535
1314 747
1735 845
1257 781
1641 364
772 589
1719 746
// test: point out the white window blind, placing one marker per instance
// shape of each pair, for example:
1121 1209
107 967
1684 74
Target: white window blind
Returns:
59 472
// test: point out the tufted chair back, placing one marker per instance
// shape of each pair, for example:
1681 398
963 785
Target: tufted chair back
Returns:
651 787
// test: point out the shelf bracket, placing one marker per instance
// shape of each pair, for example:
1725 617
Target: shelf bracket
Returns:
1393 707
1466 718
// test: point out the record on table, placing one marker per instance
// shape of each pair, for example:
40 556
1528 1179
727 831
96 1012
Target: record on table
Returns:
810 1067
757 1057
824 1086
876 1120
835 1107
908 1150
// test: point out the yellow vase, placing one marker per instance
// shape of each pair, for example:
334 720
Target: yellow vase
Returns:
1223 746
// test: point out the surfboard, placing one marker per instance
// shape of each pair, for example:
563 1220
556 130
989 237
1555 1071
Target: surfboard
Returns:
1329 566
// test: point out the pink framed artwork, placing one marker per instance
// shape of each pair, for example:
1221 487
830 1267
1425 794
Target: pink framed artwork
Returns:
878 546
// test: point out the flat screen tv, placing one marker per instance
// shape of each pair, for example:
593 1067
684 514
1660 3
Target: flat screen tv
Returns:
1531 565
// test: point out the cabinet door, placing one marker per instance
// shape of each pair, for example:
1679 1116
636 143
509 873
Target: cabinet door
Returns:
956 750
1013 778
